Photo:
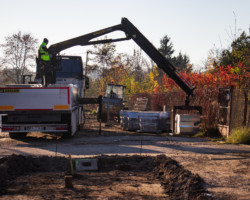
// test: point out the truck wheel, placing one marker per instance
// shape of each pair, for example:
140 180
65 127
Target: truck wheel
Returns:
18 135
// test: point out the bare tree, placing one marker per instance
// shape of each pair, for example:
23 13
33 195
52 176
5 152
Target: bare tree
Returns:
6 77
19 52
104 56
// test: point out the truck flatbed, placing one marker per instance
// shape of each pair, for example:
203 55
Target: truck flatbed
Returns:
37 98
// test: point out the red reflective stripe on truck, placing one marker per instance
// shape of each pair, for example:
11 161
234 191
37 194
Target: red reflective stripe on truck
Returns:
34 88
33 109
61 128
7 129
68 96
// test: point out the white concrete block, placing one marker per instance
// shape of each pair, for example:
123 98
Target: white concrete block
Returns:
86 164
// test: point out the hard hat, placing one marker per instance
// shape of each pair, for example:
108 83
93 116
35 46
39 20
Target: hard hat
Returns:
46 40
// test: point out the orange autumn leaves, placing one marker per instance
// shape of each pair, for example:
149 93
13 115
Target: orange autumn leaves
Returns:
221 77
152 83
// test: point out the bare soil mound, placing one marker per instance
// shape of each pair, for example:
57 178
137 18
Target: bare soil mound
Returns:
18 165
118 177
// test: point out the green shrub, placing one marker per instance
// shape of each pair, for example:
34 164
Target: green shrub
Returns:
200 134
208 132
93 112
239 136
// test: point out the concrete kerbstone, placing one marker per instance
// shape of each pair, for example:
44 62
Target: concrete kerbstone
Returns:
86 164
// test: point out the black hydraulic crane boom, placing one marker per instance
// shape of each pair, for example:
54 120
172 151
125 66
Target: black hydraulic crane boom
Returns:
131 32
85 40
156 56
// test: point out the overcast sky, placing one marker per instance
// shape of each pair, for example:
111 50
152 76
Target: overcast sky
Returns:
194 26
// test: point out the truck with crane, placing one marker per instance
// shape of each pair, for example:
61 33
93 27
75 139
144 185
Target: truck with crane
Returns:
58 108
52 109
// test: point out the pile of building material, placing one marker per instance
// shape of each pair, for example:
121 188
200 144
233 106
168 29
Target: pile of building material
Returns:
141 104
145 121
158 121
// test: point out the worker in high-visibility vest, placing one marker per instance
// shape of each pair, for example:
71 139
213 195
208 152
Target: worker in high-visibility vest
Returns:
47 73
43 51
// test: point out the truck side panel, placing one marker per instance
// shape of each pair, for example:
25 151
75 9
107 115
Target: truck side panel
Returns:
52 109
21 99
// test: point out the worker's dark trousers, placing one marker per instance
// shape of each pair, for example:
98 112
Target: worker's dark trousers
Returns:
48 74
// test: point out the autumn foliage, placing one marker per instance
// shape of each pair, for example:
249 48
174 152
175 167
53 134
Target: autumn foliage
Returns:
222 77
163 91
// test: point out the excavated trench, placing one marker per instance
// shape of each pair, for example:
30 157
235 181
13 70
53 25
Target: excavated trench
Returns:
117 177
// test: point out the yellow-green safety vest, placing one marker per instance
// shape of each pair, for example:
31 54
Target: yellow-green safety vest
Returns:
44 54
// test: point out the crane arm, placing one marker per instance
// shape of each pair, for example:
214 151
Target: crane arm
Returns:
133 33
85 40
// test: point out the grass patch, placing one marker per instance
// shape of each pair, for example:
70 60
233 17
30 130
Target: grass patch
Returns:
219 140
208 132
93 112
200 134
239 136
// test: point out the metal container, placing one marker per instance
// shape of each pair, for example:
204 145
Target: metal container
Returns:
187 123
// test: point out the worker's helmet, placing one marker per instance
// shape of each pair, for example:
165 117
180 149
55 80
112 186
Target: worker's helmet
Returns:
46 40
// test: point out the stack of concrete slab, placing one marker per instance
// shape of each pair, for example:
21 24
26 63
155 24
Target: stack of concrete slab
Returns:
165 121
133 123
149 124
141 104
124 119
129 120
149 121
145 121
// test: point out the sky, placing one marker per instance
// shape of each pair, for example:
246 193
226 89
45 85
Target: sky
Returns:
194 26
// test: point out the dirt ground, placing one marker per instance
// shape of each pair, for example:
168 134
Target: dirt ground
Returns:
136 168
118 177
